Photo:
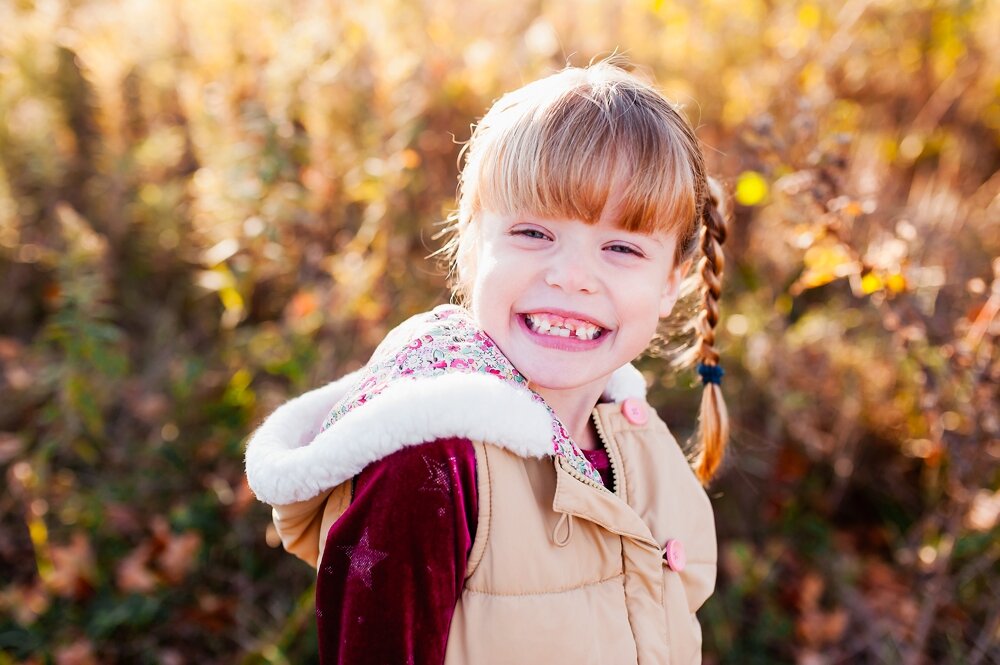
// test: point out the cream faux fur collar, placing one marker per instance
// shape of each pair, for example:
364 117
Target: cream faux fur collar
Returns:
288 459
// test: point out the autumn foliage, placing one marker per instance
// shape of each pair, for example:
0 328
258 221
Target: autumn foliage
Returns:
209 206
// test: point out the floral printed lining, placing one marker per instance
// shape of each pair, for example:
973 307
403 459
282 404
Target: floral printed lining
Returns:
447 340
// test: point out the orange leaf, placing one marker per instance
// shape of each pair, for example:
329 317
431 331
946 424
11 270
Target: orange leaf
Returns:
177 557
133 574
72 568
302 305
80 652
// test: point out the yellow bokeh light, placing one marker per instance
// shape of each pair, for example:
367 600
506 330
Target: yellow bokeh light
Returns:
751 188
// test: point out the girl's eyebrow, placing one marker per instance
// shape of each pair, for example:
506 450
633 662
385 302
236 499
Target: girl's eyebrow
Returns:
647 235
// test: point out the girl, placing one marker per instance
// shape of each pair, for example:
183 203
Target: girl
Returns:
492 486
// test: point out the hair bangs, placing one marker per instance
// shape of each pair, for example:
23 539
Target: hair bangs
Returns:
573 155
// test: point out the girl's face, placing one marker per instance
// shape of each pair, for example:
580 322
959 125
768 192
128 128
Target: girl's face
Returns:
569 303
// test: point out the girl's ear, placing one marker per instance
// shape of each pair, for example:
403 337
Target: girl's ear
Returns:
672 288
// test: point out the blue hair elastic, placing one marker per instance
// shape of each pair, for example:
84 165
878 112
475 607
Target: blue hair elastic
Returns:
710 373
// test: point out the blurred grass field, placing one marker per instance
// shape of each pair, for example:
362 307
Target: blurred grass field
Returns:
209 206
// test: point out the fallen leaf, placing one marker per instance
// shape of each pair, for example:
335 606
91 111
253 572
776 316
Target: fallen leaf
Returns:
177 557
73 568
80 652
133 574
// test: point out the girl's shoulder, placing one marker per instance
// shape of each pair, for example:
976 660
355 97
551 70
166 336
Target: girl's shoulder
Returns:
422 467
410 525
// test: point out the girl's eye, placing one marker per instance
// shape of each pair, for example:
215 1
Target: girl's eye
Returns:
625 249
530 233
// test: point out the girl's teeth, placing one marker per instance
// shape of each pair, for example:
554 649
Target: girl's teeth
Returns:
585 332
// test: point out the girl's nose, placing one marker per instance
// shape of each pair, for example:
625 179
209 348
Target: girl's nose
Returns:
571 272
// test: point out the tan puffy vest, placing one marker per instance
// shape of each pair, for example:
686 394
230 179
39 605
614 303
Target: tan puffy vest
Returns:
562 571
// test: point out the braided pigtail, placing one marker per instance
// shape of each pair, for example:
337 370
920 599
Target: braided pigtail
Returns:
713 426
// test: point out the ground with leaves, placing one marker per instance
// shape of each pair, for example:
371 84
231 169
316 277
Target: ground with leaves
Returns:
207 207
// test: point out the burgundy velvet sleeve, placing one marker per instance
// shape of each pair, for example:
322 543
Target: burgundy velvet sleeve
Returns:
394 563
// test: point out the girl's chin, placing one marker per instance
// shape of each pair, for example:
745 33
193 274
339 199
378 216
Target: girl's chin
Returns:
551 379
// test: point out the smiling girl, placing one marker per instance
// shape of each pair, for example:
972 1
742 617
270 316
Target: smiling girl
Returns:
492 486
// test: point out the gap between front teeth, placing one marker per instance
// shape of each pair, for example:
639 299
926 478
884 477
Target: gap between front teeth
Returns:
586 332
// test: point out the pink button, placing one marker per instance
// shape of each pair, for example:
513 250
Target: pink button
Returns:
635 411
673 552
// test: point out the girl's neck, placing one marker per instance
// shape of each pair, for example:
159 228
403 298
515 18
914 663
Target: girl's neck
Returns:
573 408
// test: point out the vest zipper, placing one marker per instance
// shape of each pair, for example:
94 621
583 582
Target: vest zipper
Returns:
587 481
612 457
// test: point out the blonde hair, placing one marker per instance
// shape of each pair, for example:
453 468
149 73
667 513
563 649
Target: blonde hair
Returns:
560 147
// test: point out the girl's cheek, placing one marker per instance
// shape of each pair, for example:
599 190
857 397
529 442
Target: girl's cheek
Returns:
488 257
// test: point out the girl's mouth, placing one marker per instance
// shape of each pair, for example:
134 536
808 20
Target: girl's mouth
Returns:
558 326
